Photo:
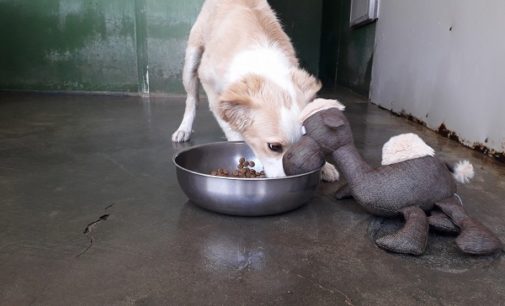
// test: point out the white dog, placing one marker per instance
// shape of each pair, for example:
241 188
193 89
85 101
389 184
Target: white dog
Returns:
251 75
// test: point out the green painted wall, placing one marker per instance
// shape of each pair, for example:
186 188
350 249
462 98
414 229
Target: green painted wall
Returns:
168 26
347 56
100 45
329 42
109 45
67 45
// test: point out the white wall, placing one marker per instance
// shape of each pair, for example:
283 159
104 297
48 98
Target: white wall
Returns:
440 76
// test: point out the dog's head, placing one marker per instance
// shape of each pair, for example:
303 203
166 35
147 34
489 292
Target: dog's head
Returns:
267 115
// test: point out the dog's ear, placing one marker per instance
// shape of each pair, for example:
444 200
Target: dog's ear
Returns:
236 113
236 103
308 85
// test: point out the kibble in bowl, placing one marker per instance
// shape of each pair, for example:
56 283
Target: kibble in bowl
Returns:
244 169
226 177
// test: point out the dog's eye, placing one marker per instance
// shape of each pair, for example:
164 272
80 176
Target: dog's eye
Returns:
275 147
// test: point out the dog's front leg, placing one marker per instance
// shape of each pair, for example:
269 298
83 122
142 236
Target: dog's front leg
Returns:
190 81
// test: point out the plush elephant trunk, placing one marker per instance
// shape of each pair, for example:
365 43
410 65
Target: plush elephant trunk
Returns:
303 157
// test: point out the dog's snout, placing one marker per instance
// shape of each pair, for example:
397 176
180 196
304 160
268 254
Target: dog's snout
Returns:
275 172
273 168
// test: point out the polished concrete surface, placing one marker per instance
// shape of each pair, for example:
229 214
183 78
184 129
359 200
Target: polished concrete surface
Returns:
91 214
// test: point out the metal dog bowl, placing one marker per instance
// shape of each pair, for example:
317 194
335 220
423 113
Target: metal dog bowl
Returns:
239 196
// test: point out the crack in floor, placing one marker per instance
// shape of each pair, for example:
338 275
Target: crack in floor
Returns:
88 230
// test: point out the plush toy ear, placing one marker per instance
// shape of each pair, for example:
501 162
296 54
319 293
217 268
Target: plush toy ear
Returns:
328 103
331 120
236 103
319 105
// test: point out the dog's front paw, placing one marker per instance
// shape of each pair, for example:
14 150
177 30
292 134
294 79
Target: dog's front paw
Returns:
329 173
181 136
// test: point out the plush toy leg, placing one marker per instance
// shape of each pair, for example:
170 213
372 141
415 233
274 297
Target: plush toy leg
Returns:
474 238
343 193
412 238
439 221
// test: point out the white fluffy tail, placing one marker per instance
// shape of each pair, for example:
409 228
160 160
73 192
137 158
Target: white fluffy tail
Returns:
463 171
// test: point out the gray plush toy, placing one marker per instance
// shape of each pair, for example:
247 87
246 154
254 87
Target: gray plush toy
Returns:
410 182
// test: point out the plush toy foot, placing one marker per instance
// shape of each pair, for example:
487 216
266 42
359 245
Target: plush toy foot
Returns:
477 239
474 238
412 238
343 193
440 222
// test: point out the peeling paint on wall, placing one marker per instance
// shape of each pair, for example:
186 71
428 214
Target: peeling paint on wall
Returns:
141 42
498 155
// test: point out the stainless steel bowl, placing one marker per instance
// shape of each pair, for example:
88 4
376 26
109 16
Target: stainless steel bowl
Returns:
239 196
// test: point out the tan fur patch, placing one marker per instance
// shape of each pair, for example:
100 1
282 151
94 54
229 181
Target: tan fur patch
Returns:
308 85
244 89
236 103
242 97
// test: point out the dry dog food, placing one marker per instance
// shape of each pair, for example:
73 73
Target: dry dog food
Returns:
244 169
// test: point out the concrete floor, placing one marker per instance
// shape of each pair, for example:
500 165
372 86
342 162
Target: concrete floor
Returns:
65 161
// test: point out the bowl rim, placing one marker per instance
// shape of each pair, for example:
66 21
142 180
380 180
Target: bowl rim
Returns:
233 178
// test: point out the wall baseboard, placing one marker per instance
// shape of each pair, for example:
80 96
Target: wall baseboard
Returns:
96 93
